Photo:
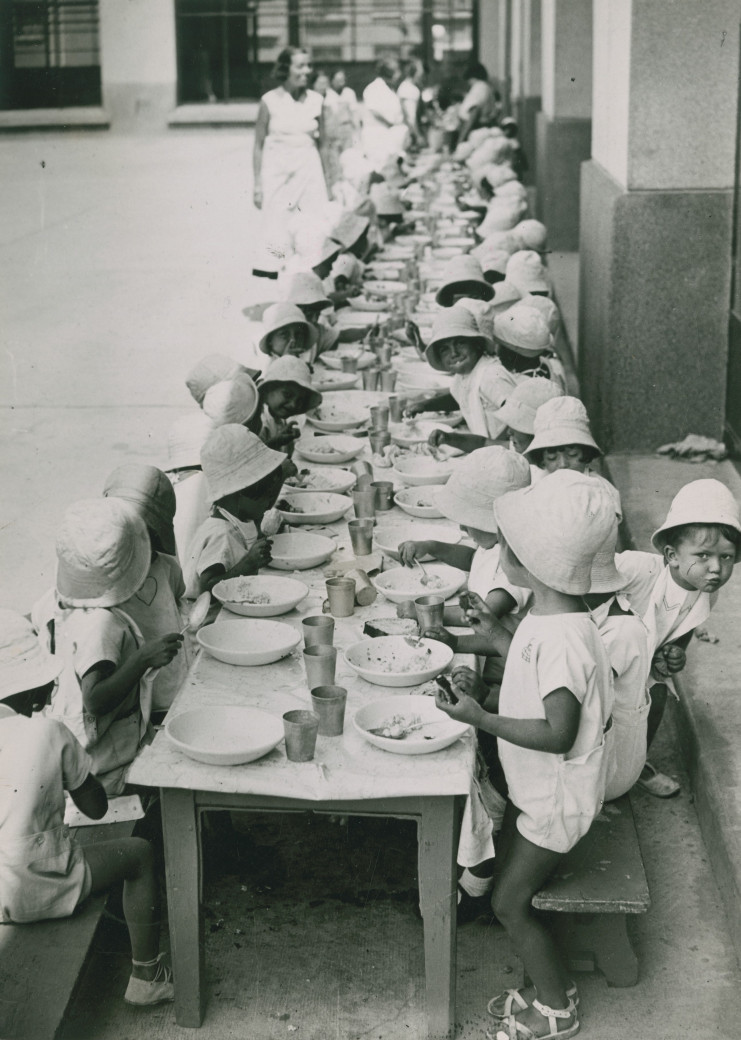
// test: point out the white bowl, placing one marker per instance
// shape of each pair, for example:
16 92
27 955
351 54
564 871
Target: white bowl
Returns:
416 431
404 583
332 419
248 643
349 319
441 731
322 479
362 303
409 500
366 358
299 551
391 661
389 538
423 469
448 252
260 595
396 252
377 287
329 450
332 380
314 507
224 735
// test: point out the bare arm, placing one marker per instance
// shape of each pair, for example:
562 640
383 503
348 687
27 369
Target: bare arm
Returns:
105 686
258 555
439 403
261 131
90 798
554 734
469 123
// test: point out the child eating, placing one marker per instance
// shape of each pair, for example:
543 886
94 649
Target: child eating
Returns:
519 410
285 390
562 438
286 331
44 873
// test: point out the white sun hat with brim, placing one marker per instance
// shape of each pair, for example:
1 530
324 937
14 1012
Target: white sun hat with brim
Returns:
525 269
512 190
148 490
348 229
347 266
496 240
494 149
524 330
185 439
506 295
209 370
277 316
387 201
547 308
477 482
231 401
233 459
289 369
103 553
462 274
494 260
559 422
605 576
24 664
532 234
557 526
501 215
518 411
305 289
704 501
452 323
484 316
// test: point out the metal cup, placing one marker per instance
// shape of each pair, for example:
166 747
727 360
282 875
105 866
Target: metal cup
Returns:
349 364
396 408
383 353
320 663
384 490
364 473
365 592
379 439
300 728
388 380
329 704
340 597
370 378
379 414
429 611
364 500
361 536
318 630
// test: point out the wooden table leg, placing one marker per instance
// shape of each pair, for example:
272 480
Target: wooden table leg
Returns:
180 825
437 835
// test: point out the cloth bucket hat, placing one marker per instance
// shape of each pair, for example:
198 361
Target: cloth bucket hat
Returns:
523 329
185 440
348 229
304 288
347 266
277 316
233 459
387 201
518 411
484 317
24 664
103 553
493 260
557 526
452 323
547 308
532 234
231 401
505 296
563 420
209 370
477 482
501 215
496 174
151 494
497 240
288 369
494 149
525 270
462 274
605 575
512 190
704 501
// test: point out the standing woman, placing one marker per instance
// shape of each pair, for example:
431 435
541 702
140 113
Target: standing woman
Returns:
289 183
384 129
480 107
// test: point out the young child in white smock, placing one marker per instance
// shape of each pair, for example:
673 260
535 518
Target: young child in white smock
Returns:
518 414
44 873
554 710
285 392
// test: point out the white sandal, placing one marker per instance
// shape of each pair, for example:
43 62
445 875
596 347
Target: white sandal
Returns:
515 1030
512 1001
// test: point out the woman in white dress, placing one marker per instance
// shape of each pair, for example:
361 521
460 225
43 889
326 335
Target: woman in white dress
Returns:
289 182
384 130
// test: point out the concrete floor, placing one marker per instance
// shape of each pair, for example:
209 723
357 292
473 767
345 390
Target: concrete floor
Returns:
122 260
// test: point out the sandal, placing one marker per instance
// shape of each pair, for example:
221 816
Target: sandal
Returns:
515 1030
512 1001
658 784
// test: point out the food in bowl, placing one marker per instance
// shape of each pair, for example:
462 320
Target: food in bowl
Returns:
398 660
300 551
260 595
403 583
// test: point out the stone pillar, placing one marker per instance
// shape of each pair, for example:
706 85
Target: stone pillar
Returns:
564 125
656 220
492 31
526 74
138 63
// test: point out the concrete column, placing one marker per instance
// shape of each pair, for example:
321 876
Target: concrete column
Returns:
526 74
138 63
564 124
492 35
656 220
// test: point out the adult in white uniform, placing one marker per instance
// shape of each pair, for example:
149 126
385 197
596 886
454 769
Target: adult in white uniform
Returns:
289 184
384 130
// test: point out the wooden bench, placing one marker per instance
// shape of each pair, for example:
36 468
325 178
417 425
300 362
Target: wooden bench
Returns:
599 883
41 963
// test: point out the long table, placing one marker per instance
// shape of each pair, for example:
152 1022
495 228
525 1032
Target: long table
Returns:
348 776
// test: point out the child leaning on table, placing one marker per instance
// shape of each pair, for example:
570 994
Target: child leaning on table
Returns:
104 695
553 714
43 872
285 391
244 478
699 542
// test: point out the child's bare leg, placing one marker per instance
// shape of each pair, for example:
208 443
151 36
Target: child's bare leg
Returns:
658 694
131 860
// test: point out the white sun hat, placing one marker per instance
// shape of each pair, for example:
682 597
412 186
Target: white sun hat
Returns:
496 240
512 190
231 401
526 270
103 553
305 289
562 421
149 491
547 308
532 234
605 576
462 274
277 316
209 370
484 316
495 175
501 215
24 663
478 480
523 329
505 296
557 526
452 323
493 260
518 411
348 229
185 439
704 501
289 369
234 459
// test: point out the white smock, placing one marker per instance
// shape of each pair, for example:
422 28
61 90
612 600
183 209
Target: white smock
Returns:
481 393
384 130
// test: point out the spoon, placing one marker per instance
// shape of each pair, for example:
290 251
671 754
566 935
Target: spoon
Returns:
198 614
426 580
403 731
